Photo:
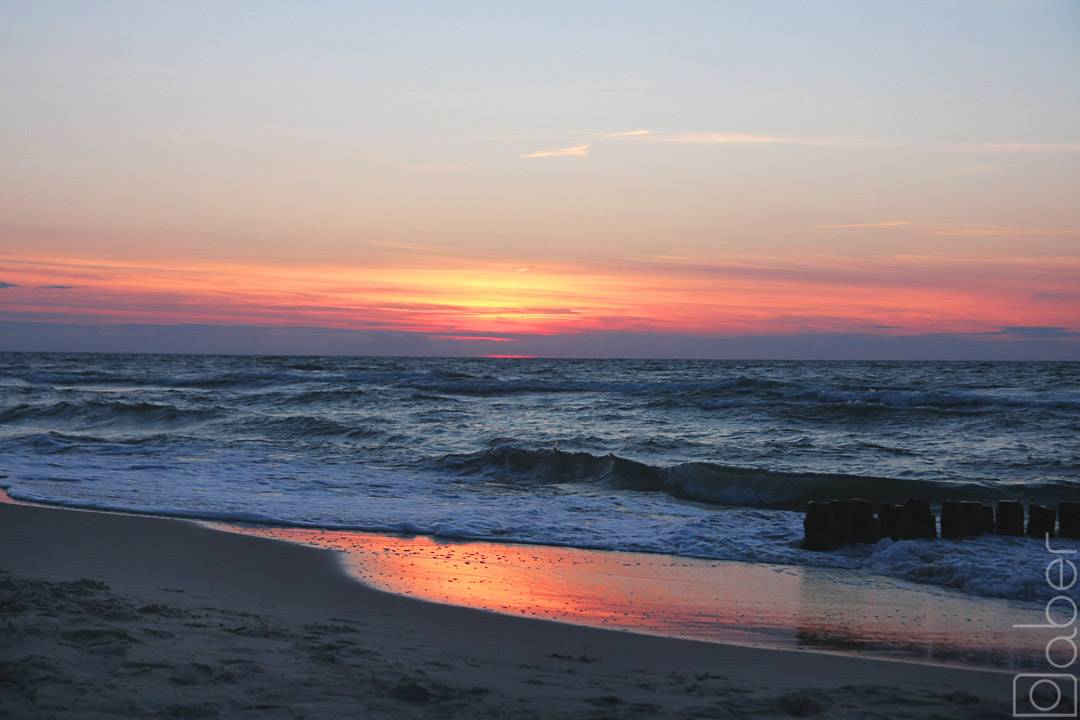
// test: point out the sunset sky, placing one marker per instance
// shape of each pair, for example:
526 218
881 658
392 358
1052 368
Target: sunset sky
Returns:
714 179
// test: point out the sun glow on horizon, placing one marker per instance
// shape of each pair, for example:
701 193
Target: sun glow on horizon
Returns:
487 300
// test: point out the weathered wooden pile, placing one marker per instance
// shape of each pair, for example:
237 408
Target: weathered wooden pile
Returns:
832 523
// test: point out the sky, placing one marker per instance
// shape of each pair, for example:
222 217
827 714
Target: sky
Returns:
889 179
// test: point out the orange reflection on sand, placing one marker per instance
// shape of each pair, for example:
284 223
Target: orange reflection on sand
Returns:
761 605
644 593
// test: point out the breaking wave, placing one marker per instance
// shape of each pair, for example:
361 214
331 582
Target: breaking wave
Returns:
720 484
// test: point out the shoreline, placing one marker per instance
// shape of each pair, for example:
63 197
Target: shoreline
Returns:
762 605
106 611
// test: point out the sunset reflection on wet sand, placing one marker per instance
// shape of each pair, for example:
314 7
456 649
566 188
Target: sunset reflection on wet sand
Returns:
762 605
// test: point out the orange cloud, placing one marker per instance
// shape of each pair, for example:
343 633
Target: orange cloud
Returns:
576 151
631 133
470 297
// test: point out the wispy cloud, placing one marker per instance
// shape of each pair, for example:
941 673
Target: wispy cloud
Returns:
56 287
7 285
485 338
763 139
857 226
576 151
698 138
1038 332
581 150
1048 296
906 277
729 138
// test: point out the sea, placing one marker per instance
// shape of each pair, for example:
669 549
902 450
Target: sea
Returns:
697 459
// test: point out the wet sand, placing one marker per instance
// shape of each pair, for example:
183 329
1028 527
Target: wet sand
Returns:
103 615
773 606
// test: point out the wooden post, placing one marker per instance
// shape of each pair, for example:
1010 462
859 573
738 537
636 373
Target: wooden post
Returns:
864 526
891 520
1040 521
818 526
1010 518
952 520
1069 519
841 518
972 518
919 522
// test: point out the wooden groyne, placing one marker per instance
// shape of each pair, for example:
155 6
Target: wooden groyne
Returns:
837 522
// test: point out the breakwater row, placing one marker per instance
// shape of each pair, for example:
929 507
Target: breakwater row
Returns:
832 523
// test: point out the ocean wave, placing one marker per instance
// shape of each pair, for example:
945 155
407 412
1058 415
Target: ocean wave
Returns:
943 400
209 379
317 397
730 485
295 380
102 412
73 378
306 427
463 384
738 391
54 442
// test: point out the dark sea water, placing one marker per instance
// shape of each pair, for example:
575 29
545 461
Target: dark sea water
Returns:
709 459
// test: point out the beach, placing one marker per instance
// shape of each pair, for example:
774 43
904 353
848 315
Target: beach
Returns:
107 615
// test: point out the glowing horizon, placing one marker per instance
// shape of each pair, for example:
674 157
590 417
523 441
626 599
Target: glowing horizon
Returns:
743 295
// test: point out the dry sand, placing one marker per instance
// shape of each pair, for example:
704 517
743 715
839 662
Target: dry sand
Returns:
106 615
